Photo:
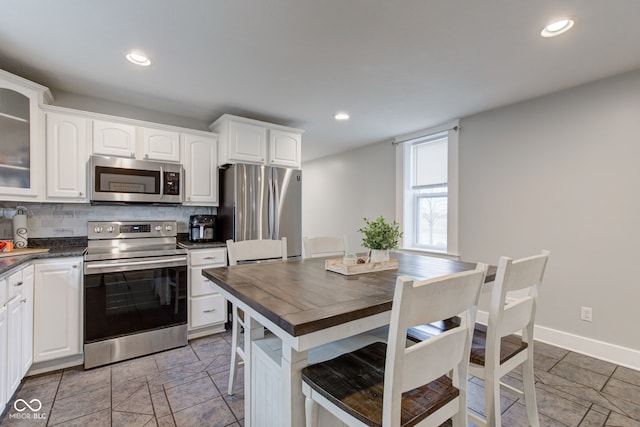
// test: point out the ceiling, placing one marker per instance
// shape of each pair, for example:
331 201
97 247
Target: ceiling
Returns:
395 66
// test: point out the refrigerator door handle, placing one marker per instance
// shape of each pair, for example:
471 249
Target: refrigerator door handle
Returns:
271 207
276 207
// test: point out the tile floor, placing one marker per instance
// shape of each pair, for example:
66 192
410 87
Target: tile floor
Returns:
187 387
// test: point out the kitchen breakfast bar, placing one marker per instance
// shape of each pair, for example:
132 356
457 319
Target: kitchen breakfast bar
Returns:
313 314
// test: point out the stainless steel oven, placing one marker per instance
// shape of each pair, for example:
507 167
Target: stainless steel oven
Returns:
135 285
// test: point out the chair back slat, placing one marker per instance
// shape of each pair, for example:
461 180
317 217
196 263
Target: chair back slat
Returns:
525 273
426 361
516 316
314 247
256 250
426 304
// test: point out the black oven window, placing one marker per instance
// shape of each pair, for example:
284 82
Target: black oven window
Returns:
118 180
122 303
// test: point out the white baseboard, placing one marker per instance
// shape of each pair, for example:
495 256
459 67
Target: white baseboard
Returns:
613 353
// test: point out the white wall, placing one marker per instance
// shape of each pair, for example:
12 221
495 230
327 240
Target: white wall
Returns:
338 191
96 105
560 172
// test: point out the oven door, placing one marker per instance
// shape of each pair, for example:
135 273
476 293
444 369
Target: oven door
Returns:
130 296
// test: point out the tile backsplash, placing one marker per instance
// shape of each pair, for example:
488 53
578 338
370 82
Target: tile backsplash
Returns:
70 219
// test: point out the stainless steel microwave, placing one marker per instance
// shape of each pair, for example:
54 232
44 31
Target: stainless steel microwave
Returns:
119 180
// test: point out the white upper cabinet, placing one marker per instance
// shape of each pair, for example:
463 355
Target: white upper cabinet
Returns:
160 145
138 142
247 142
66 147
114 139
243 140
285 148
199 158
21 137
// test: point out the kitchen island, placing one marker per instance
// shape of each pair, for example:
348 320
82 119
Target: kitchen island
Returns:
307 308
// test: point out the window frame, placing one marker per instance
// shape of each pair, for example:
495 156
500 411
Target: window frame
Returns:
405 196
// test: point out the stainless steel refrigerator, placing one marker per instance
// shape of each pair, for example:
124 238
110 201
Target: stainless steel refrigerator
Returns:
261 202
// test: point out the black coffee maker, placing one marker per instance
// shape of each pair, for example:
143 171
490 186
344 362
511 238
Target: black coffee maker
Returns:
202 228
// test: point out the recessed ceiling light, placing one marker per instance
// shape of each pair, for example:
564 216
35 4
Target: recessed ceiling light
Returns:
138 58
341 116
557 27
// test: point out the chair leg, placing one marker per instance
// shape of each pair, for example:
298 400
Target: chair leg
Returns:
235 343
492 400
528 383
310 412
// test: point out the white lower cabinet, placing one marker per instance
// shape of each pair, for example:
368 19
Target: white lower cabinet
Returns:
3 353
14 344
16 333
57 309
27 318
207 308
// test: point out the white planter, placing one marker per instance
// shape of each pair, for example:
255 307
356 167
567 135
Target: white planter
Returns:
377 255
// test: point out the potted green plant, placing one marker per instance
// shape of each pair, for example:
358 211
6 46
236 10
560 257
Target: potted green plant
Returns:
380 236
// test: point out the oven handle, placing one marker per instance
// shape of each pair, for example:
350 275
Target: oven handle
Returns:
97 268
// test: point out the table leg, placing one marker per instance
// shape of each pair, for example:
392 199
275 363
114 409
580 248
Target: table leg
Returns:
253 331
292 398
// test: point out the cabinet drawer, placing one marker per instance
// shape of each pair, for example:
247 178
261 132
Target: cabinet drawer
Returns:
14 284
207 310
210 257
4 295
200 285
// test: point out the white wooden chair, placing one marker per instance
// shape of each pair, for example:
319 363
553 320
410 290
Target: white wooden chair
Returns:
496 352
314 247
248 251
394 385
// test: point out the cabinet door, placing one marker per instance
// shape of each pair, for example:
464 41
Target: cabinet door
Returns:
14 344
57 310
284 148
66 157
27 319
20 151
160 145
114 139
3 356
247 142
200 161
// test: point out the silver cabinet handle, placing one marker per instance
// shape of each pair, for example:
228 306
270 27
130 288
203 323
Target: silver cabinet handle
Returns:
75 266
211 310
18 284
23 300
209 257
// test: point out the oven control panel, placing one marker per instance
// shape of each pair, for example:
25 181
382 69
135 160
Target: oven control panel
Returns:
130 229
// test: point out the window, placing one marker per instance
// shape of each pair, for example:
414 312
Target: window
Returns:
429 190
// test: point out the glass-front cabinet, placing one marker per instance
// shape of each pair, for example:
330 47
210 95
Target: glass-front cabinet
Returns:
21 136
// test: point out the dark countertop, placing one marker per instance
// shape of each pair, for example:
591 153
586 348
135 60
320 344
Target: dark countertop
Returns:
76 246
183 242
58 248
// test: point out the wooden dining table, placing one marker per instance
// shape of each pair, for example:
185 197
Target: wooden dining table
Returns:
307 306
